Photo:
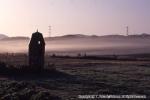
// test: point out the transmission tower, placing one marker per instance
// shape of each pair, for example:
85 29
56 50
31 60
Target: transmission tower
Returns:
127 30
49 30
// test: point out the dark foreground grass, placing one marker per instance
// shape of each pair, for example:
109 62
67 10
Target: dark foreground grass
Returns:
14 90
73 77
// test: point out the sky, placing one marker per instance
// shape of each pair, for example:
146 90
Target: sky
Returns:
99 17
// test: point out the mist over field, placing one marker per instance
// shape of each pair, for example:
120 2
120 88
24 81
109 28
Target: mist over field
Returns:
73 44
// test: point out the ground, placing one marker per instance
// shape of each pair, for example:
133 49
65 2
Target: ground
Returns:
83 77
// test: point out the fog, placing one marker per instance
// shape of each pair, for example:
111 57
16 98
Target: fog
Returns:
95 46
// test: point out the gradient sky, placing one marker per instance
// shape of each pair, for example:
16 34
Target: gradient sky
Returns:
100 17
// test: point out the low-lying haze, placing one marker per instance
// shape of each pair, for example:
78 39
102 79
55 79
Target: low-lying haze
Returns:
74 44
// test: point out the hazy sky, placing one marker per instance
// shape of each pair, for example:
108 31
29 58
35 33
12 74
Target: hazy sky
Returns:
100 17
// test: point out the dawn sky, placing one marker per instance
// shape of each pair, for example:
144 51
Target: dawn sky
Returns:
100 17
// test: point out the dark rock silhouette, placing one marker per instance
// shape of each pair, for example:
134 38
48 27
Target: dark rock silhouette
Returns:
36 51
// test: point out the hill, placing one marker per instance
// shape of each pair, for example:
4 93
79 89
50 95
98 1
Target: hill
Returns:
107 37
2 36
79 36
15 38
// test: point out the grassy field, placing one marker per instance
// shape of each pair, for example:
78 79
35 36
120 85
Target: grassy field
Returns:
79 76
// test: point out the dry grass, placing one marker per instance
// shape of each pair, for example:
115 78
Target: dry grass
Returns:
80 76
